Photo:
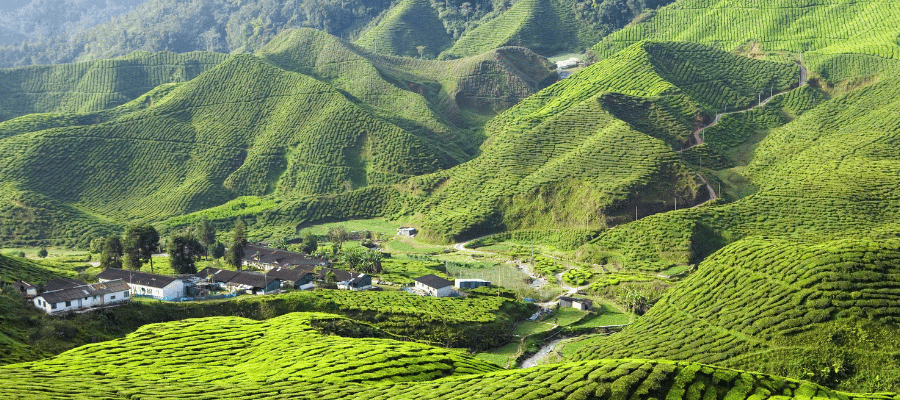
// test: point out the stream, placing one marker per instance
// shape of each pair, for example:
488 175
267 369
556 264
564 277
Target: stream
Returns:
543 352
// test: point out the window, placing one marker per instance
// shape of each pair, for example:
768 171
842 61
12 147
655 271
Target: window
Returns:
113 297
53 306
126 294
68 304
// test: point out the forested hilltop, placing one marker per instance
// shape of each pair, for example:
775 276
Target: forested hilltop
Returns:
84 30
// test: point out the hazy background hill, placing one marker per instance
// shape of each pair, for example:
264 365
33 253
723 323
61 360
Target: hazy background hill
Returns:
38 20
91 30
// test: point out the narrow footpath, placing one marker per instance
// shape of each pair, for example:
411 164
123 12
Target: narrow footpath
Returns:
698 133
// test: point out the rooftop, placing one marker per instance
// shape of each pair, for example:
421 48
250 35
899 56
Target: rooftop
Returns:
137 277
87 290
434 281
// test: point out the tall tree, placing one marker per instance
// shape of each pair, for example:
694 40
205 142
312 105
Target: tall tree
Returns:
235 253
139 243
111 257
218 250
206 233
131 244
338 235
310 243
184 251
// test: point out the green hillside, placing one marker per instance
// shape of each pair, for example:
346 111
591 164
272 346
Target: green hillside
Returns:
404 28
93 372
14 269
826 174
823 27
824 312
564 157
288 348
328 119
95 85
541 25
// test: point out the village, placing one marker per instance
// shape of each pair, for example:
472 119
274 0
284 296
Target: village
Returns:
265 271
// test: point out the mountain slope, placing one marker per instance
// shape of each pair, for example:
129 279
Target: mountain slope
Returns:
311 115
826 174
95 85
824 27
563 157
405 27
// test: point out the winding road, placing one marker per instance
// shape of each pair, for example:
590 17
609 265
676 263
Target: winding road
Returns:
698 133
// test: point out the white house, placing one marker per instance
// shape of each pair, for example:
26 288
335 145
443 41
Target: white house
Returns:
470 283
82 297
144 284
434 285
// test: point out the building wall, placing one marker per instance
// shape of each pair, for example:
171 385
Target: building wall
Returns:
81 303
171 291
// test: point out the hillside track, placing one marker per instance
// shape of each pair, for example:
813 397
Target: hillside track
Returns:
698 133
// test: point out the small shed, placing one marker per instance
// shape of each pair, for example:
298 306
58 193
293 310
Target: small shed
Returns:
578 303
409 232
25 289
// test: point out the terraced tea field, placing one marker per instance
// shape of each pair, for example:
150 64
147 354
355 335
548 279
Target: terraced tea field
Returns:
780 307
608 379
825 27
236 350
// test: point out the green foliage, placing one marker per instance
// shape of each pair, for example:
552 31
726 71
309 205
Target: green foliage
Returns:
184 251
139 244
111 257
235 251
310 243
182 349
42 253
578 276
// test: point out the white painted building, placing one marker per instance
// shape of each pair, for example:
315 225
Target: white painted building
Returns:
144 284
83 297
434 285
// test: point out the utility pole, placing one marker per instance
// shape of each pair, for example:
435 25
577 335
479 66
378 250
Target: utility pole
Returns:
635 213
676 204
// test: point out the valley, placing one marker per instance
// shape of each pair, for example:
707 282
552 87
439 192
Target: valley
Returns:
409 200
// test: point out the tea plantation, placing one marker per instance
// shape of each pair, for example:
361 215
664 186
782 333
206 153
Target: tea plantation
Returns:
564 157
825 27
826 312
326 120
608 379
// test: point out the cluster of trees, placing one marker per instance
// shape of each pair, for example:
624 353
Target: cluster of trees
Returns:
131 250
136 247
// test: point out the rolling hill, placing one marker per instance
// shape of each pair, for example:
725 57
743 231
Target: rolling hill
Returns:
824 312
821 175
404 28
213 357
577 154
311 115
